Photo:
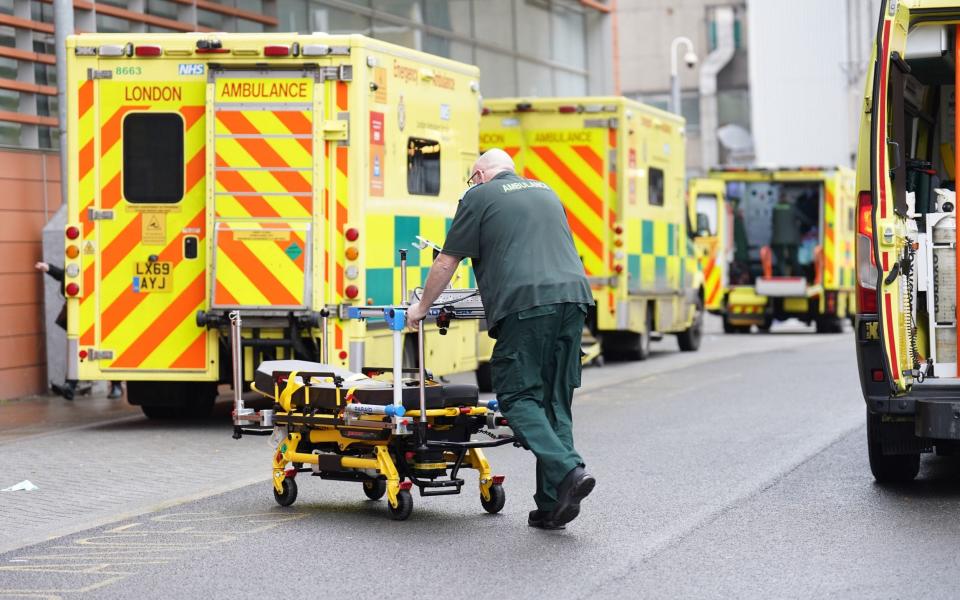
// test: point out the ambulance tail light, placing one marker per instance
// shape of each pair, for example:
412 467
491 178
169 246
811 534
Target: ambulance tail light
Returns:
524 107
148 51
566 109
866 264
352 292
276 50
72 289
352 234
73 232
485 112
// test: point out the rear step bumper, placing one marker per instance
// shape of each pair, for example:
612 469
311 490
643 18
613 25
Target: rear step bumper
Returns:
935 409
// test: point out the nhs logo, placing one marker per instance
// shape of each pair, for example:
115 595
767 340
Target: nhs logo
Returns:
191 69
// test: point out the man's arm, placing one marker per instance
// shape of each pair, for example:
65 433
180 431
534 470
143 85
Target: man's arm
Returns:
437 280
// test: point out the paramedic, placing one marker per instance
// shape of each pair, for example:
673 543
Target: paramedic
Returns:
535 296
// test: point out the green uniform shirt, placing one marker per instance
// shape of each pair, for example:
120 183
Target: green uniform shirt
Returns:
516 232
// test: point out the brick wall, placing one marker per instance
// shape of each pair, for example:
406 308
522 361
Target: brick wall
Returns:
29 195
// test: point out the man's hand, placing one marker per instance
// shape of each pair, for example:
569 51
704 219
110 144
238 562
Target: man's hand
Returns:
42 266
415 314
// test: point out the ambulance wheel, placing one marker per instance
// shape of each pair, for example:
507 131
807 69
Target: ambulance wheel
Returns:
289 495
498 498
888 468
689 340
159 411
484 377
375 488
404 506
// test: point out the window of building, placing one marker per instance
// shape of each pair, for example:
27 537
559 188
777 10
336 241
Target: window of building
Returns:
535 39
452 15
534 79
493 23
153 157
423 167
569 37
655 186
496 74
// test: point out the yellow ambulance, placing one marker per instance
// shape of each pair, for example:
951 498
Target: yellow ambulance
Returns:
787 240
274 174
907 284
709 219
618 167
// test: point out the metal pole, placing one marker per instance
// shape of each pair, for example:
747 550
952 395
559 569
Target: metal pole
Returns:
63 26
324 347
237 353
403 277
675 106
423 385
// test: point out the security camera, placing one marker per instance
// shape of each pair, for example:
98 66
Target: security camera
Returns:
691 59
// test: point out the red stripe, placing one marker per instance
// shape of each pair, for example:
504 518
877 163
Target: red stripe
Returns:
341 217
195 356
88 338
191 114
612 137
196 168
295 121
342 165
891 342
223 296
181 308
341 95
590 157
85 98
882 125
338 336
110 194
713 294
86 159
512 150
570 178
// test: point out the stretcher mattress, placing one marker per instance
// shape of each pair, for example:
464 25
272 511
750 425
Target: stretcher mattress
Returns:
323 394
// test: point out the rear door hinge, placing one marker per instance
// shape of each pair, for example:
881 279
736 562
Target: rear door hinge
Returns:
96 74
336 73
99 215
338 129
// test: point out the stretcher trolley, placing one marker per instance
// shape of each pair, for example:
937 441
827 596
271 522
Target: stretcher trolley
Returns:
387 434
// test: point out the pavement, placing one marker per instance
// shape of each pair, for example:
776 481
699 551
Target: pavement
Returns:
737 471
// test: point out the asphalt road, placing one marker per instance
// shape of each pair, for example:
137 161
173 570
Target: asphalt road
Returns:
741 474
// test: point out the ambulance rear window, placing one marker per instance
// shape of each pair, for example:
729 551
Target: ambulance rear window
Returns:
655 187
153 158
423 167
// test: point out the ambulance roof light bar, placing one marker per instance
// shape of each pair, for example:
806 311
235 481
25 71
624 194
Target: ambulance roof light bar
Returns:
211 47
276 50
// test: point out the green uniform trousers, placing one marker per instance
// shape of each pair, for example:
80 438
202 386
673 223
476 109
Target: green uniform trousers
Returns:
535 368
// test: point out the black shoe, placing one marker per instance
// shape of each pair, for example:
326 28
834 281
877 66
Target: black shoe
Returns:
538 519
66 391
576 486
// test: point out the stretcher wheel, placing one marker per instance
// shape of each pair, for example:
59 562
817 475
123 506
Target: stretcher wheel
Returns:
498 498
289 495
375 488
404 506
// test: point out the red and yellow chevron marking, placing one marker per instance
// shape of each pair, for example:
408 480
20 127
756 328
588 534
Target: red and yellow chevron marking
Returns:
341 193
254 266
268 173
829 233
712 284
86 188
149 330
576 174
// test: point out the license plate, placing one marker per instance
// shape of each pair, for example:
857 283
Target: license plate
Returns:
153 276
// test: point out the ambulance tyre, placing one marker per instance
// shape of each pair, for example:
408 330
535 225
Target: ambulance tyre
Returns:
404 506
689 340
159 412
498 498
375 488
729 327
888 468
484 377
289 494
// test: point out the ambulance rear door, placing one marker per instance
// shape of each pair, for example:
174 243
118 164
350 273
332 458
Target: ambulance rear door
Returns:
889 204
710 223
264 173
149 278
575 154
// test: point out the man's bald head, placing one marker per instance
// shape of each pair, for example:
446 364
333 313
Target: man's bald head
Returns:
490 164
